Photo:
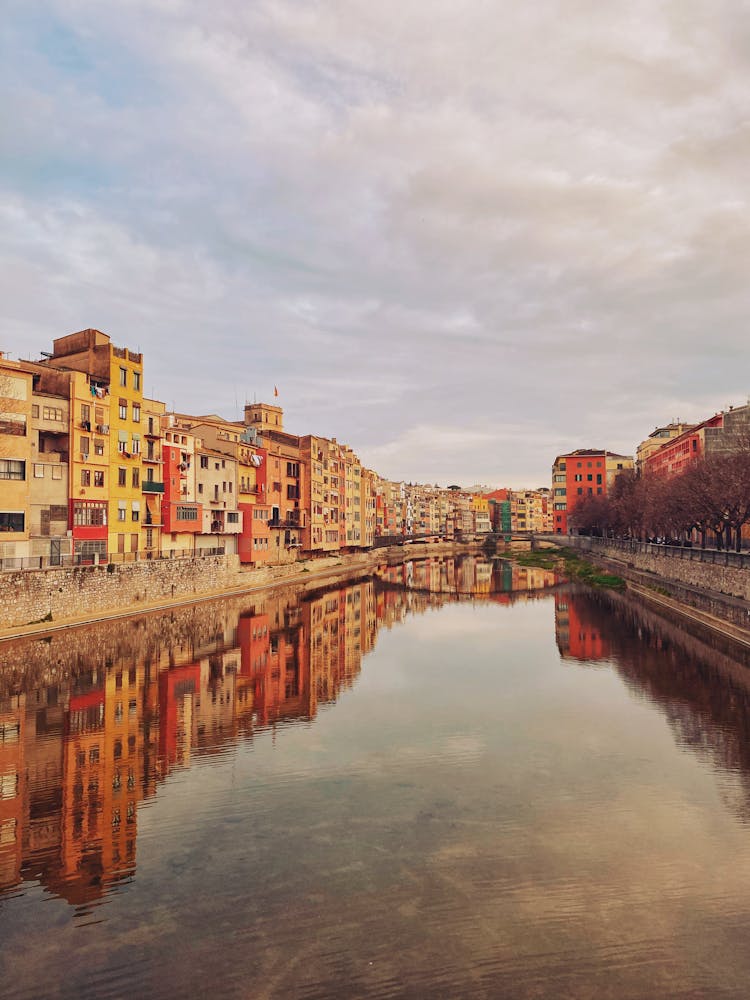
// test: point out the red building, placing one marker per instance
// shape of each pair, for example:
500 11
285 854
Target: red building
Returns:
582 473
181 515
676 454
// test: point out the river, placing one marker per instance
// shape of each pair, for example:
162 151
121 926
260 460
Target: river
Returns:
458 778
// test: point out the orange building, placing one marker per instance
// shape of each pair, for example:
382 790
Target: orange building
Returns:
581 473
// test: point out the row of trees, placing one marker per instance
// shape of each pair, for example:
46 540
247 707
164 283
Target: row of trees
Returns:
709 501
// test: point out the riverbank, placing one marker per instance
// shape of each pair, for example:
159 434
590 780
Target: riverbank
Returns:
664 586
84 595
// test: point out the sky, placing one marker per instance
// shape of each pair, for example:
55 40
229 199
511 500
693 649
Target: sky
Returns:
461 237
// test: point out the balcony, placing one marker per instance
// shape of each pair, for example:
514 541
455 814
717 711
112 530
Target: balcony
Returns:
286 523
150 487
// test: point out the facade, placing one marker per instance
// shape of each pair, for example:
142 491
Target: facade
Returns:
656 439
152 477
285 481
15 459
721 433
581 473
182 515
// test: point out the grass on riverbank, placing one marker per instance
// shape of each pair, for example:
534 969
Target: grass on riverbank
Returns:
571 564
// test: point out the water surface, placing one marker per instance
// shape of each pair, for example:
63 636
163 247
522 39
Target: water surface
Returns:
458 779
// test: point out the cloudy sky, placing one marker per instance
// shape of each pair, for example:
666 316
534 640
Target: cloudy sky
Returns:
462 237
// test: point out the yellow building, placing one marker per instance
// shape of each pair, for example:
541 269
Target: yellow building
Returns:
125 451
106 442
15 459
152 478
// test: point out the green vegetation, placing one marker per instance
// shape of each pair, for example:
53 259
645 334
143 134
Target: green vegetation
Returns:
569 562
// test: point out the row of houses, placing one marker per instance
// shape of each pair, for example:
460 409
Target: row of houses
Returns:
668 450
93 470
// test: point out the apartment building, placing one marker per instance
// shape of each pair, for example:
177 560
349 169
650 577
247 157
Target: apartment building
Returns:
581 473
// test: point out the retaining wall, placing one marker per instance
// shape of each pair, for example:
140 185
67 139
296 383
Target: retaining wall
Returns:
79 593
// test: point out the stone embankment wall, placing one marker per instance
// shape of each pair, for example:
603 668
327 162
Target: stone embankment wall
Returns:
730 580
84 592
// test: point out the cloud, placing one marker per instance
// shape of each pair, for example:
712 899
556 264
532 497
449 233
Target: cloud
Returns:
461 240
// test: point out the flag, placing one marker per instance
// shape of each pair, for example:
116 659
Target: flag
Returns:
275 390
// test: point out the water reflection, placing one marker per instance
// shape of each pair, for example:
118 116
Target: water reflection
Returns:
701 683
94 720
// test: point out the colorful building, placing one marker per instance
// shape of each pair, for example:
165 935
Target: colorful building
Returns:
581 473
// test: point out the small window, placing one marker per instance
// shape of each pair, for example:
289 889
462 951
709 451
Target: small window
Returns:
123 376
122 477
85 477
136 412
123 411
136 478
98 478
38 471
57 472
34 410
121 511
137 380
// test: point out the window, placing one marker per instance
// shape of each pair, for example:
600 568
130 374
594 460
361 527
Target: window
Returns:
233 517
85 447
122 477
200 487
136 510
11 468
52 413
34 410
98 446
122 511
85 413
38 471
187 513
98 478
85 477
598 477
122 442
13 423
136 449
589 478
204 461
123 376
137 380
136 478
123 410
12 520
89 515
57 472
136 412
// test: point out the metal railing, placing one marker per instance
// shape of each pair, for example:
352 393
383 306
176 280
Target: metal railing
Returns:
14 564
690 553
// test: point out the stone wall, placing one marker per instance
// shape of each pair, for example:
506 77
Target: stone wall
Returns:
731 580
81 593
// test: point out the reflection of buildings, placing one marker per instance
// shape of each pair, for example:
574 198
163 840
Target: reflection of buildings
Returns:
578 636
81 748
469 577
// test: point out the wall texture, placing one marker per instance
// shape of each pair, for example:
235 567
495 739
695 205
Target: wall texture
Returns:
83 592
730 580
